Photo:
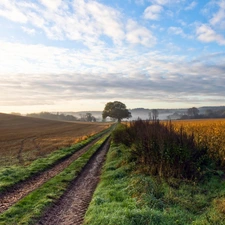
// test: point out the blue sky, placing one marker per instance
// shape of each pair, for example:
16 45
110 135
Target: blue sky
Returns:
78 55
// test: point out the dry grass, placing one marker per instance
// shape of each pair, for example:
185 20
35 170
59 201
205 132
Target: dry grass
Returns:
23 139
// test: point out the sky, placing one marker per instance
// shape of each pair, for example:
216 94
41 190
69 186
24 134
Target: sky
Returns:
76 55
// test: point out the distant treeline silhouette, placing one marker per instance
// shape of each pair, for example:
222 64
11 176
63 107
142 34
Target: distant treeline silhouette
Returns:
60 116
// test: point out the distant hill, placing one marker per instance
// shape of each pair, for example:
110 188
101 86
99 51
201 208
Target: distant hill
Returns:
143 113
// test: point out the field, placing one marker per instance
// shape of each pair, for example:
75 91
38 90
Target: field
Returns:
24 139
156 174
207 132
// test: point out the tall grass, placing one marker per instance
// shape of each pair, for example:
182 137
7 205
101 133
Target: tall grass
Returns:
126 196
160 150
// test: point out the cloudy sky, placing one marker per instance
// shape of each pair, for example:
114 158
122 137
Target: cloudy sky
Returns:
74 55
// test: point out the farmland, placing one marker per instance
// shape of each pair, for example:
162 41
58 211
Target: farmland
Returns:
209 133
160 175
155 173
23 139
33 185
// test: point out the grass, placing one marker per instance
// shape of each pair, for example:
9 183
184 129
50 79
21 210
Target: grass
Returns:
126 197
31 207
10 176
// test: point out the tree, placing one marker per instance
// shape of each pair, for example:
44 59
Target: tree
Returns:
88 117
150 115
155 114
193 112
116 110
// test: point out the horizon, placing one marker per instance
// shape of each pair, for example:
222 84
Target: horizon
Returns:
90 110
78 55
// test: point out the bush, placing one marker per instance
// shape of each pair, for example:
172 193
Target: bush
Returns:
121 134
160 150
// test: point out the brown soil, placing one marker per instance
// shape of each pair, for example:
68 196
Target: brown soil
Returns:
24 139
22 189
71 207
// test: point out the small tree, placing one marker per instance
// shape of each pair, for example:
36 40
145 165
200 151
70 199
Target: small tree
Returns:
88 117
116 110
155 114
150 115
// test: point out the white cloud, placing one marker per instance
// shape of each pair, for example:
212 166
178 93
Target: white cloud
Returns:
206 34
176 30
219 17
160 2
153 12
191 6
28 30
51 4
166 2
112 64
139 35
48 76
86 22
9 10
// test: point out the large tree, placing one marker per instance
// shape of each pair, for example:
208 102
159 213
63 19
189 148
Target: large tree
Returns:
193 112
116 110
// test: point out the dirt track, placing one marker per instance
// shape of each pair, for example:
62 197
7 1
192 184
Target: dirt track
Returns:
71 207
22 189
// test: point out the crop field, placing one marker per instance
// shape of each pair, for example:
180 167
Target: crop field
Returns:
24 139
208 132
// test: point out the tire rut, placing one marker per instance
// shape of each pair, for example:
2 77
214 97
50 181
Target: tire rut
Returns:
22 189
71 207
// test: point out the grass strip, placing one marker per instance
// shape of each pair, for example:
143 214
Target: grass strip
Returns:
12 175
31 207
124 196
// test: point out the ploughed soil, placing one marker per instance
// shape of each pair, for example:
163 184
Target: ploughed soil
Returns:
71 207
24 139
22 189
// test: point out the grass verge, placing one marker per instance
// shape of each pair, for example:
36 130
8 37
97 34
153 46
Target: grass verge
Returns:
31 207
126 197
12 175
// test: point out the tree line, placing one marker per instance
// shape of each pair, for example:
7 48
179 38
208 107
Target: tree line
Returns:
88 117
193 113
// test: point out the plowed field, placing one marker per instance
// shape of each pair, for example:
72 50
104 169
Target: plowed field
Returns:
24 139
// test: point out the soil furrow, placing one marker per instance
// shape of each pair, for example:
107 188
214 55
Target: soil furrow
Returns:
22 189
71 207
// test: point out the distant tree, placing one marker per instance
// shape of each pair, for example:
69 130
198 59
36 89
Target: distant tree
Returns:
51 116
82 117
150 115
71 118
116 110
193 112
209 113
88 117
16 114
155 114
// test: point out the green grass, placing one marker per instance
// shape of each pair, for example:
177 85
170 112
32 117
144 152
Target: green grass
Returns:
31 207
12 175
126 197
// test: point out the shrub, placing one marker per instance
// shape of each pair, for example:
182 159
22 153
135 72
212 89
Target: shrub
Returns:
160 150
